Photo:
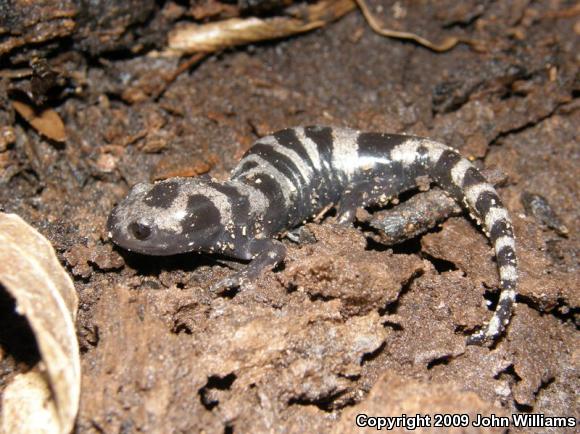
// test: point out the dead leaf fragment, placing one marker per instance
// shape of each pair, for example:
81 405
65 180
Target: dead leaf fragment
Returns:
215 36
47 121
45 295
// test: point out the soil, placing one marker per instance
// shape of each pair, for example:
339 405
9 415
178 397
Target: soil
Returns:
347 325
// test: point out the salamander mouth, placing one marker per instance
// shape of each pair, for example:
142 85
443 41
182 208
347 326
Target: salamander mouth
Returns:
151 248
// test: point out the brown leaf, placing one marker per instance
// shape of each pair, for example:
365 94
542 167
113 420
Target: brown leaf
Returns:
47 122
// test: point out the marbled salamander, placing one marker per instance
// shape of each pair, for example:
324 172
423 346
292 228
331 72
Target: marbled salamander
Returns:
290 177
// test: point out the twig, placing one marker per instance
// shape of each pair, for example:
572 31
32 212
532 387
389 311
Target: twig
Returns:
447 44
185 65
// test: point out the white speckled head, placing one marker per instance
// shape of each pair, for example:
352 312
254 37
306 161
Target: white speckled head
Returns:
169 217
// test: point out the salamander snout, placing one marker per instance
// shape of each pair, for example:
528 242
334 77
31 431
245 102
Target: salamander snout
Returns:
139 234
136 227
165 218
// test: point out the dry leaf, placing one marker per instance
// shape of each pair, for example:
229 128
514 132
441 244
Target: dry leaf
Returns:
45 295
47 122
218 35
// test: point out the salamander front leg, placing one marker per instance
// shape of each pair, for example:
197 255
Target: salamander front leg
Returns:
360 195
266 254
353 197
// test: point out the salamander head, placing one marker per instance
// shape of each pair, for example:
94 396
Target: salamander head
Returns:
169 217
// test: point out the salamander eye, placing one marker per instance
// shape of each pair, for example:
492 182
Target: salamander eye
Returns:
140 230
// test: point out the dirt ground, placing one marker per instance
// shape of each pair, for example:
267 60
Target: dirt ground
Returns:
347 325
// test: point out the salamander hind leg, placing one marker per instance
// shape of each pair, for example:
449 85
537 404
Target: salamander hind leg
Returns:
266 254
